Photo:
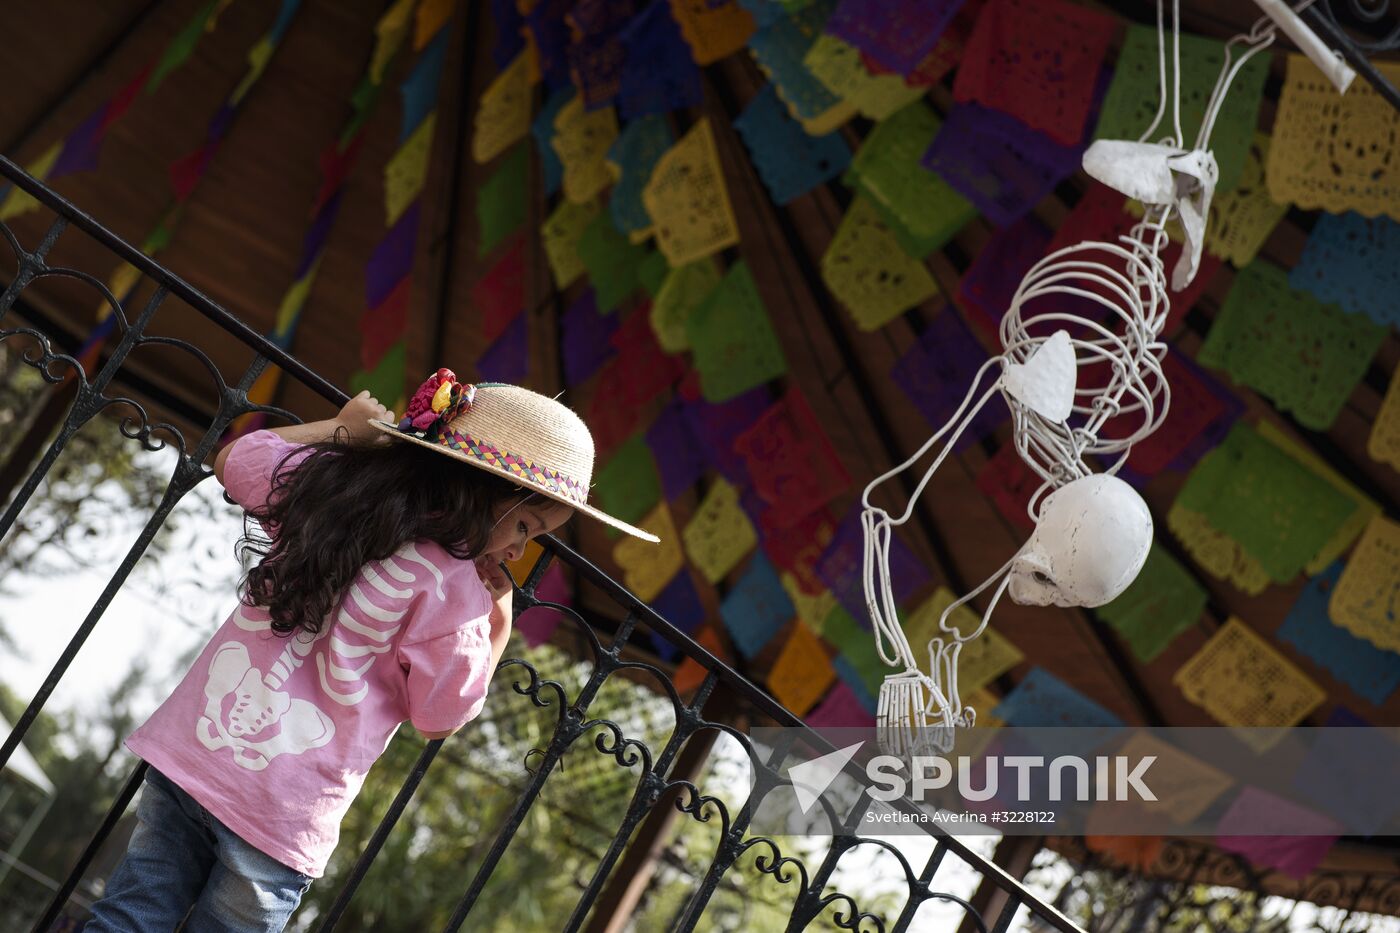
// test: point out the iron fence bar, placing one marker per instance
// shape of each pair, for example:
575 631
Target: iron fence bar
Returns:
381 835
189 471
114 814
30 264
1008 913
917 897
176 285
1327 30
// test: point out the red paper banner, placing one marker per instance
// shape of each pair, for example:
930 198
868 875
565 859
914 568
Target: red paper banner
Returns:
1009 483
384 325
792 464
499 295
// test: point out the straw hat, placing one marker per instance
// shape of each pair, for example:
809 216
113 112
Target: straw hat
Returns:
528 438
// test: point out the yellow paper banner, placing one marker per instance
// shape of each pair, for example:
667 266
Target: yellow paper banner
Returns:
647 567
389 34
432 16
687 199
838 66
294 299
1384 444
812 610
1242 218
582 138
1218 553
503 113
712 31
1242 680
1187 785
560 234
802 673
1364 602
19 202
981 661
1331 151
1366 508
866 269
682 291
719 534
407 171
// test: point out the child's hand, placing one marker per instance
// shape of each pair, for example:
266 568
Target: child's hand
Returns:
502 594
356 415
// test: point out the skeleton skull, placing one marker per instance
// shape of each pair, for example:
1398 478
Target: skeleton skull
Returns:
1089 544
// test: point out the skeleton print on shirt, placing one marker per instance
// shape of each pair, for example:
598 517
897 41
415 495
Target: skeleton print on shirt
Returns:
264 720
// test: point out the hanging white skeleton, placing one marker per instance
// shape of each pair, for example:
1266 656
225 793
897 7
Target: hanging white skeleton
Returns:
1064 376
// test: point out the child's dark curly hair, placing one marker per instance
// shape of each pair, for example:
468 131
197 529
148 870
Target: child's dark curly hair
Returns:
347 504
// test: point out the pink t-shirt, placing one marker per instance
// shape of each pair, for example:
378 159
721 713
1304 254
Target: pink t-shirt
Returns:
273 735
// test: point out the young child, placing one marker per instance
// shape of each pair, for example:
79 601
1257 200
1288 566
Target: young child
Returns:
378 597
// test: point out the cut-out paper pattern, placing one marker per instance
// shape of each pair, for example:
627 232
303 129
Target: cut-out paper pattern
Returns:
732 339
780 49
595 67
1003 167
811 608
1039 62
898 35
1044 700
501 201
1281 512
1184 785
1370 671
632 157
838 66
499 295
797 550
793 465
503 114
1242 680
1335 152
1242 218
542 128
1289 852
679 457
679 603
641 373
507 359
946 53
585 338
1132 98
647 568
840 708
989 284
926 209
1365 510
1216 551
1384 443
867 270
582 138
840 568
1364 601
789 161
1306 357
757 608
682 291
1353 262
858 663
550 34
713 30
1010 484
1164 601
981 661
560 234
935 372
719 534
628 486
687 200
802 673
716 425
658 73
611 262
407 170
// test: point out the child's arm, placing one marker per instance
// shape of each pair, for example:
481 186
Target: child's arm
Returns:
502 594
354 418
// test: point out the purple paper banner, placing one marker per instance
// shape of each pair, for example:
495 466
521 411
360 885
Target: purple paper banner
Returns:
841 568
586 338
508 359
896 33
989 284
937 372
393 257
680 458
679 603
658 72
716 425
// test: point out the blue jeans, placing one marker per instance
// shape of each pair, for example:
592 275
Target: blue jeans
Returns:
183 864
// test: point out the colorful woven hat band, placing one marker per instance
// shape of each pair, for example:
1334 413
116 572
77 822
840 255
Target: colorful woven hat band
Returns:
553 480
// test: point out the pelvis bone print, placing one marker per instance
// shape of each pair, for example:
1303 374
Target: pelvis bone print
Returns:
248 711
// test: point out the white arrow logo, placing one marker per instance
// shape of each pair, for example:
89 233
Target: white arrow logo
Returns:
811 779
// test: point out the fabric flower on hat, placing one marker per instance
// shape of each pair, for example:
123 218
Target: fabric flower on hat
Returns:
439 399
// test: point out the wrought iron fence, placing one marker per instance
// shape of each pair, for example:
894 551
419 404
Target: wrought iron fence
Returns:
658 785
